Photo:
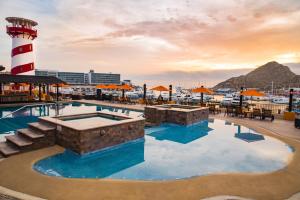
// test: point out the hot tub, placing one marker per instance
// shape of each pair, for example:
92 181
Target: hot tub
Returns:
83 133
177 114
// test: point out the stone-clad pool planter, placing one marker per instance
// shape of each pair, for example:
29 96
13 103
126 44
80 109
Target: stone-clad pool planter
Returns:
173 113
90 132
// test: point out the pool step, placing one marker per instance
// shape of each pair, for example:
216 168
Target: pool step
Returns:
30 134
7 149
42 128
18 140
38 135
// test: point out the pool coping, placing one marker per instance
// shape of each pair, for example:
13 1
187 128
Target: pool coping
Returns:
56 120
279 184
185 110
132 107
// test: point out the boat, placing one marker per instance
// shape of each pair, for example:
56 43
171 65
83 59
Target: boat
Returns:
280 100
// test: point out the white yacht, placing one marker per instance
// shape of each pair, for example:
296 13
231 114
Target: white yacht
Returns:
280 100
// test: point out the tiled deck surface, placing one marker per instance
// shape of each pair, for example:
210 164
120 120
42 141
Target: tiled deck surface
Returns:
281 184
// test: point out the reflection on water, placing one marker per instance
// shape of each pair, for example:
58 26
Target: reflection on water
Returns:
180 134
105 163
248 136
171 152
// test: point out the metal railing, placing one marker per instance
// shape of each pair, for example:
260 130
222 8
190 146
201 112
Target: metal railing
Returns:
276 108
31 105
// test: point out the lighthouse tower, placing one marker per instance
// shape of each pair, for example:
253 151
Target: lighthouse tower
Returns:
22 34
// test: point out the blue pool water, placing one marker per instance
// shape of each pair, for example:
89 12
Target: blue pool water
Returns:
173 152
20 119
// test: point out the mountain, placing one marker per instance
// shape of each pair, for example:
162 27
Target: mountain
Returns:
262 78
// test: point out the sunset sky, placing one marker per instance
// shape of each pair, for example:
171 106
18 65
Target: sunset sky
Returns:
186 42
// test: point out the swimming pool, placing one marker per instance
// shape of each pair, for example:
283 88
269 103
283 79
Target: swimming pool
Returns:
172 151
21 118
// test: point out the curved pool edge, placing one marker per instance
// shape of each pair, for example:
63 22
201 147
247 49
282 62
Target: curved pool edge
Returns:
49 172
262 185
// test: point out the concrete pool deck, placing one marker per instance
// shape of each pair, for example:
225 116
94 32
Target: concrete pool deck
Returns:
16 173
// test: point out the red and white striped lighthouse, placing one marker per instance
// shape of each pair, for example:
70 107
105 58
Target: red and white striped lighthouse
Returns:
22 33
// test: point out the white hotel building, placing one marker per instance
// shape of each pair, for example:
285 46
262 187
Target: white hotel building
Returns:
79 78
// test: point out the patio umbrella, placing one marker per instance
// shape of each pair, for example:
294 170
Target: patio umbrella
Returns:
123 88
101 86
202 90
252 93
160 89
112 87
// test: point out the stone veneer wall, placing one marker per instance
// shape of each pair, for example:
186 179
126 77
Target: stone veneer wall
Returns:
84 141
157 115
154 115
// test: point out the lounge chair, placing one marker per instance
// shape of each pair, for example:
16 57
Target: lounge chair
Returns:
256 113
267 114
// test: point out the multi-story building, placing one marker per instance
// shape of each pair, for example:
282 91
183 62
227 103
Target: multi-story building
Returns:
71 77
78 78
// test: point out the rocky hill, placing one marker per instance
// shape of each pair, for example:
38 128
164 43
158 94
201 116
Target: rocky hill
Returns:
262 78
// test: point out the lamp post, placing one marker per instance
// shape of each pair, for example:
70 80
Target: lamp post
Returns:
145 91
291 100
170 92
241 97
202 95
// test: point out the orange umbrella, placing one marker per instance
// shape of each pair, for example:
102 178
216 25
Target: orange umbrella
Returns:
112 87
101 86
125 87
252 93
202 90
160 88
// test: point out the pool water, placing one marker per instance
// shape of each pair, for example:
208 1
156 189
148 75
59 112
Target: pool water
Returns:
21 118
171 151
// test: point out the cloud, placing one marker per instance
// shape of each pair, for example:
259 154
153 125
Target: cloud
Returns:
152 37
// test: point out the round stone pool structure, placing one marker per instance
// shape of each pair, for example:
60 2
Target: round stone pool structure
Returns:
172 152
